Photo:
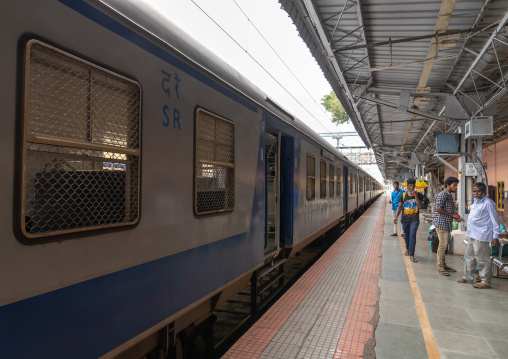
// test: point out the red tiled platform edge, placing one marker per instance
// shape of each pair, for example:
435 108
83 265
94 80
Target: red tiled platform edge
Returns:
357 329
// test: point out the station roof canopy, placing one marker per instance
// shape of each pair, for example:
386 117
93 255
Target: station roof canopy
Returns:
405 70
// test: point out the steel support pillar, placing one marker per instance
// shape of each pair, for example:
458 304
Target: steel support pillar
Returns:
461 190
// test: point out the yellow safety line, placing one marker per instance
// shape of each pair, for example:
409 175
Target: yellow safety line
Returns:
428 336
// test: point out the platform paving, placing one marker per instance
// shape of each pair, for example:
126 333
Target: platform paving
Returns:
364 299
328 312
465 322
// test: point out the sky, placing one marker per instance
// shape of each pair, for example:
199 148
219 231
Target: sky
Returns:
259 40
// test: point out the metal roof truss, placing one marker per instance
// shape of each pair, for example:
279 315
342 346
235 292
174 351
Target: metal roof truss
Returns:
405 70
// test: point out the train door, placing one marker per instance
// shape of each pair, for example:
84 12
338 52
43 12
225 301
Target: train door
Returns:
356 187
364 189
345 189
272 191
287 165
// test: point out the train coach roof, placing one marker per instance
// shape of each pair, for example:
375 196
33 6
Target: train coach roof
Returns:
143 16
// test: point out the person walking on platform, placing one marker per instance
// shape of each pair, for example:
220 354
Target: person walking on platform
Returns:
395 204
444 213
482 229
410 203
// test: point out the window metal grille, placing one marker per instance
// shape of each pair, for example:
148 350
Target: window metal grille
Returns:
214 185
339 182
322 179
311 177
81 138
332 181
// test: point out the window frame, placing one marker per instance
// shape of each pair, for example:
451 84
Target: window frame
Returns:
322 178
331 183
212 163
339 182
87 144
311 177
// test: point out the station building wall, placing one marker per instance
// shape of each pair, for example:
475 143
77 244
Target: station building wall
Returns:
495 156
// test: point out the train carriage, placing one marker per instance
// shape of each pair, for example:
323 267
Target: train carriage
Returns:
145 182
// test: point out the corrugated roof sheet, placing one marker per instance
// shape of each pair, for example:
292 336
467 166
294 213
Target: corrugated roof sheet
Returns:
329 26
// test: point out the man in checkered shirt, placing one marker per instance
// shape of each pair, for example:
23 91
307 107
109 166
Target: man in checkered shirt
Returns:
444 213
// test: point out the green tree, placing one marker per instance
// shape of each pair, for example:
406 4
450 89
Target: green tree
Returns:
332 104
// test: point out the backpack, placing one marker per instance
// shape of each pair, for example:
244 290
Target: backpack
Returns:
425 200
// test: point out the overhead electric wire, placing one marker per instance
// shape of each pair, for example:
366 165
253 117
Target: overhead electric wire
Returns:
255 60
280 58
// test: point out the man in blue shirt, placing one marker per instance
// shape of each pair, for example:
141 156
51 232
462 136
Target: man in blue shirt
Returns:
482 229
395 204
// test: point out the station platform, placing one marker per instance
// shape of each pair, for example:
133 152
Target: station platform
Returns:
364 299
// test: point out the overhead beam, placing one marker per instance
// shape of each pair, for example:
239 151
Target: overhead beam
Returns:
414 112
410 132
337 23
362 91
401 121
400 164
353 4
388 149
408 39
352 147
479 18
493 98
397 157
346 35
412 92
410 63
425 135
447 164
499 28
330 134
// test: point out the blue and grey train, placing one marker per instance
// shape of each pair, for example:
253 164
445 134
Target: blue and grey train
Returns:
144 181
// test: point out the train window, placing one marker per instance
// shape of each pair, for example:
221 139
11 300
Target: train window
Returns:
332 180
350 183
214 185
81 145
311 177
361 184
339 182
322 179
